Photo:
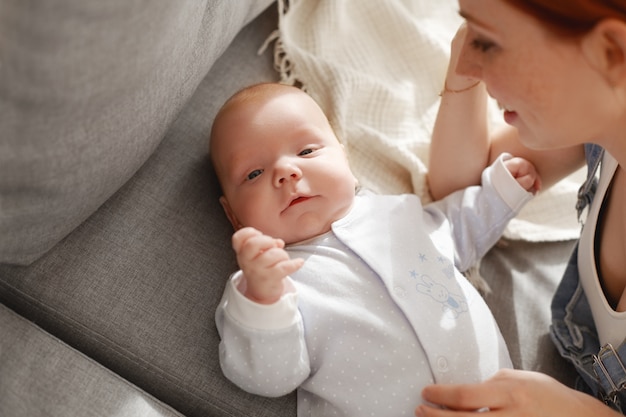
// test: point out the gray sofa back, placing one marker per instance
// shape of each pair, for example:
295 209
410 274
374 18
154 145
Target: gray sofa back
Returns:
88 89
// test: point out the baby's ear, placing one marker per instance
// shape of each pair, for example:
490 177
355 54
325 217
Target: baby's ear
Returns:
229 213
605 49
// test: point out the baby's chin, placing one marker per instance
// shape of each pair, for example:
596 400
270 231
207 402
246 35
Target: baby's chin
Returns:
310 223
305 235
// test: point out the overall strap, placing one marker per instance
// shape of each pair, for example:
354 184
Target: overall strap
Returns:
593 155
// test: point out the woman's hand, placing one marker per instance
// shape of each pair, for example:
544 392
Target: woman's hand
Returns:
454 81
511 393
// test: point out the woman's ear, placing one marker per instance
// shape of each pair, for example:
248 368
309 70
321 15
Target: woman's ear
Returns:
230 214
605 49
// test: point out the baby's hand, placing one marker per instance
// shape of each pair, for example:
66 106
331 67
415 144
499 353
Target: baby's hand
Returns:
525 173
265 265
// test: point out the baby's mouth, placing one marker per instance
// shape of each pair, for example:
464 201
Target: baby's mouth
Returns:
295 201
298 200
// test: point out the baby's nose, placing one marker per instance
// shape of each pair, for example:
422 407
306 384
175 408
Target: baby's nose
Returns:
286 173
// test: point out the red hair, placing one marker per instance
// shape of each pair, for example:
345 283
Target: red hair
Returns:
572 16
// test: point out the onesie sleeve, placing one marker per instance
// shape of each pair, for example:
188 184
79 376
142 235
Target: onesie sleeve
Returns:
262 348
278 315
476 216
498 177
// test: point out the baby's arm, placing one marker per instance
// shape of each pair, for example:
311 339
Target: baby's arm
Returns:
524 173
476 216
263 348
265 265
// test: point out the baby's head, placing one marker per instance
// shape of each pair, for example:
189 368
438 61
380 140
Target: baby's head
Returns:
280 165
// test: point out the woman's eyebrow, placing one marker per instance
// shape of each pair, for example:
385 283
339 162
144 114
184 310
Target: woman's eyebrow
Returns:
468 17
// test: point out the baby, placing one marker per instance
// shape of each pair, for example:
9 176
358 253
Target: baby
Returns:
354 299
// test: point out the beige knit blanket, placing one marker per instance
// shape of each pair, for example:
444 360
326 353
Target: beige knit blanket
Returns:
376 68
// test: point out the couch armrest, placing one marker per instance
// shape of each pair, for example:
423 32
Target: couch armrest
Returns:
42 376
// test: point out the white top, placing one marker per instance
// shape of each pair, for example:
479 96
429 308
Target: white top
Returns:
611 325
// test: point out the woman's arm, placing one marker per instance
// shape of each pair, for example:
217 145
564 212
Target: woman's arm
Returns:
462 144
459 149
552 165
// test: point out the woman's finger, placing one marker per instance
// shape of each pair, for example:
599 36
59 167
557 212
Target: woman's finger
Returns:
466 397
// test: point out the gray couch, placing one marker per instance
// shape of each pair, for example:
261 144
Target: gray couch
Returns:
114 250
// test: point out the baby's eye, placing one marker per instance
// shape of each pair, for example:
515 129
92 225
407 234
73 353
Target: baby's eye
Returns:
305 152
482 45
254 174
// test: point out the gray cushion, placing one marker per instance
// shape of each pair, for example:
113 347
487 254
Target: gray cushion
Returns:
523 277
41 376
136 285
88 88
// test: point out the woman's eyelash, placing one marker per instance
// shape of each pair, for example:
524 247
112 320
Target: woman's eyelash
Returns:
482 45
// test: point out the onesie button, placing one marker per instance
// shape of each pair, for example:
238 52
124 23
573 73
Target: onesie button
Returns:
400 292
442 364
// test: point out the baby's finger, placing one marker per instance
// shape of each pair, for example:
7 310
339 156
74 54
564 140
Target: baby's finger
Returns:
269 257
290 266
256 246
242 235
527 182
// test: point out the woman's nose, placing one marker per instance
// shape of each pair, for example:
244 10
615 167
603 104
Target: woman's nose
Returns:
286 172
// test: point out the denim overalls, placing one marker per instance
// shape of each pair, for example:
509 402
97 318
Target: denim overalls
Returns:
602 372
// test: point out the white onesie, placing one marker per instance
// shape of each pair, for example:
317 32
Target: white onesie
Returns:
379 309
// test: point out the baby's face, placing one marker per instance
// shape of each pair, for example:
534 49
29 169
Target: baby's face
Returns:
282 168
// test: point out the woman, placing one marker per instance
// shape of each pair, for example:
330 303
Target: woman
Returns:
558 70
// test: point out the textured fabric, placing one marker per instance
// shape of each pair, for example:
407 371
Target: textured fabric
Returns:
376 68
41 376
523 277
87 91
136 285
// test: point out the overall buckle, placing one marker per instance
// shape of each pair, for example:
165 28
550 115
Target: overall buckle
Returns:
611 375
